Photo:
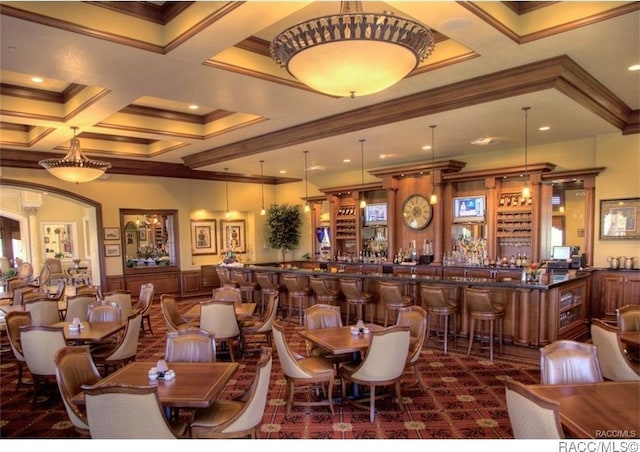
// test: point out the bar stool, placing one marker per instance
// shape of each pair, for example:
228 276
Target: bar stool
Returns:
437 304
225 277
247 287
298 290
322 292
268 287
392 298
356 298
482 309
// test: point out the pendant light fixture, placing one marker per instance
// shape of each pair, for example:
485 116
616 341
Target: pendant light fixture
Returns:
433 199
526 191
307 208
262 211
75 166
363 201
226 190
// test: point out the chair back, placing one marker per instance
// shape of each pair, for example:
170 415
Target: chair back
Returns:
265 282
19 294
269 315
44 276
240 277
319 287
478 300
415 318
295 283
104 312
433 297
14 320
125 412
25 271
61 287
39 346
224 275
127 347
628 317
123 298
55 267
78 306
145 299
322 316
86 289
74 368
288 362
350 289
252 413
387 355
569 362
613 362
389 291
172 317
14 283
190 345
532 416
227 293
219 318
43 311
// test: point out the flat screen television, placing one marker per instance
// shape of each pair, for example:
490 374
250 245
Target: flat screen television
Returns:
375 214
469 209
561 253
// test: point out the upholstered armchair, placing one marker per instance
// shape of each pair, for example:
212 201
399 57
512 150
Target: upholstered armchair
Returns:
532 416
569 362
190 345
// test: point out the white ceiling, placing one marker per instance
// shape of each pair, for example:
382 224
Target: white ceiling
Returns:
604 49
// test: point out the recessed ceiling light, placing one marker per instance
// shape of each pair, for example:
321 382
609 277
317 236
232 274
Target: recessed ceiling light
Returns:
282 171
37 79
346 161
486 141
193 107
634 67
426 147
544 128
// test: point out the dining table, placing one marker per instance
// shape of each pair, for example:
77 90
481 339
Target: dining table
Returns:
195 385
90 331
603 410
630 337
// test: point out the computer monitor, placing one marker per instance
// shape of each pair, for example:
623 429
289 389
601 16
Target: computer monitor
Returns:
561 253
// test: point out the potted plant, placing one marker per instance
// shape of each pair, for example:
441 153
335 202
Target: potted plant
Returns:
283 227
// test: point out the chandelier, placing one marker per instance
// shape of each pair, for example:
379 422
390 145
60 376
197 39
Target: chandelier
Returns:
353 53
75 166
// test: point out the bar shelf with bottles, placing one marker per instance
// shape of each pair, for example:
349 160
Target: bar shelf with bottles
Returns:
514 224
346 223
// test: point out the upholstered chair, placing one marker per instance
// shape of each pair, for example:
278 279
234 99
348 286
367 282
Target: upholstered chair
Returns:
128 412
257 330
78 306
303 372
190 345
356 299
39 346
43 311
123 298
383 365
324 316
245 284
322 292
437 304
416 319
532 416
25 271
14 320
173 320
109 357
224 275
55 266
267 286
614 363
482 309
569 362
42 280
145 300
228 293
74 368
298 291
628 319
239 417
219 318
392 298
104 312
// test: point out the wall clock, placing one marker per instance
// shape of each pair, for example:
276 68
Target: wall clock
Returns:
416 212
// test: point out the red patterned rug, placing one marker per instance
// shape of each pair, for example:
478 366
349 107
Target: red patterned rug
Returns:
464 399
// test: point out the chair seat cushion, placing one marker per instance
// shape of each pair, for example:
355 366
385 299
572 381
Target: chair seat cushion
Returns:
316 365
217 414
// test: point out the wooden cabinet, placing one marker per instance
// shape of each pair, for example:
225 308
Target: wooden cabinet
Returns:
616 288
514 225
571 307
346 237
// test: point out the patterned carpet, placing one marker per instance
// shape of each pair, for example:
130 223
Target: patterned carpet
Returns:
464 399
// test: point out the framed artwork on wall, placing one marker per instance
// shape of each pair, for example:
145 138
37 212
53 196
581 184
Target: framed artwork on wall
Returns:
619 219
112 250
111 233
203 237
233 236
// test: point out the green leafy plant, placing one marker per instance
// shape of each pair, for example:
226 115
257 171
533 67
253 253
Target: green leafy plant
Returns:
283 227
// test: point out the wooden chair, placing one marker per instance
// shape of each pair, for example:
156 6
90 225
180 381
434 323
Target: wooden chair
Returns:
39 345
260 328
302 372
438 305
246 286
416 319
483 310
123 298
228 293
392 298
224 275
383 365
78 306
267 287
104 312
322 292
74 368
219 318
190 345
324 316
298 290
628 319
172 317
128 412
357 299
15 320
242 416
109 357
145 300
569 362
614 363
43 278
25 271
532 416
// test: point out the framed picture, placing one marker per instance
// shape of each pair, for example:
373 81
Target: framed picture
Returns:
142 234
112 250
111 233
232 236
203 237
619 219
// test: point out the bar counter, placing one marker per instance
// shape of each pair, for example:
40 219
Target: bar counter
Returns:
536 313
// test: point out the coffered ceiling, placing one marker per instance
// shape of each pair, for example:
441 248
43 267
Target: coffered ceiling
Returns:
126 74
